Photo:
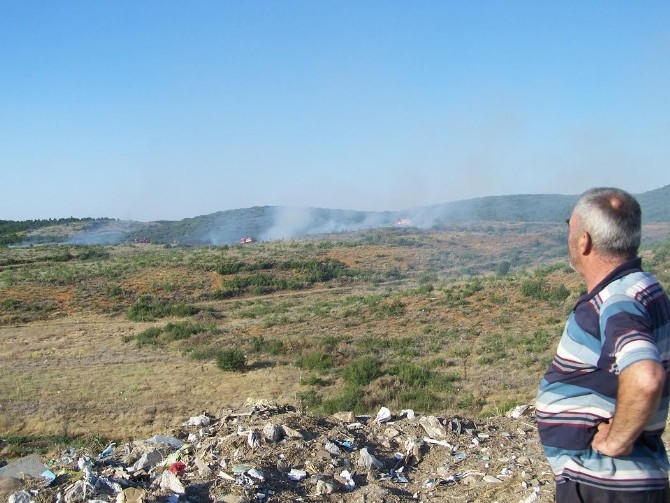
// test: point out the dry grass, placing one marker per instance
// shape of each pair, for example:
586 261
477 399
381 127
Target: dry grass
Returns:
71 365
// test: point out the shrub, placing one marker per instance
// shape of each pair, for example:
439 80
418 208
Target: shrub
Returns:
229 268
394 308
272 347
309 398
149 337
538 289
148 308
351 399
181 330
362 371
204 353
315 361
419 400
231 360
312 381
411 375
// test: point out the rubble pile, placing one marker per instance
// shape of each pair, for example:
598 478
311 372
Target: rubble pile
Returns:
274 453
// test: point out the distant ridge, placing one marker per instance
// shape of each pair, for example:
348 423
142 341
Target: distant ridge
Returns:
276 222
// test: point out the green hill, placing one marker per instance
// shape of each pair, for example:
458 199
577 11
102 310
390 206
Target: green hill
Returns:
267 223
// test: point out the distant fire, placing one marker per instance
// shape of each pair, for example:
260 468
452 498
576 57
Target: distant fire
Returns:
246 240
403 222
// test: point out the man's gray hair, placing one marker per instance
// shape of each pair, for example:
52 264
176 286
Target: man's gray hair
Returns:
613 219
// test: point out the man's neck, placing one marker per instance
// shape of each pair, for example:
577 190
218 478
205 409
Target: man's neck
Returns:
598 269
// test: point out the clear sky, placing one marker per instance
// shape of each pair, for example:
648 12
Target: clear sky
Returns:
163 110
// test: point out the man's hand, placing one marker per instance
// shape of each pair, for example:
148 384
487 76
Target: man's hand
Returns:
640 387
601 445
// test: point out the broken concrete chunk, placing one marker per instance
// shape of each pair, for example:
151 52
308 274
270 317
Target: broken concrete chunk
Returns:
29 465
173 442
132 495
432 427
20 497
201 420
324 487
345 417
273 433
149 460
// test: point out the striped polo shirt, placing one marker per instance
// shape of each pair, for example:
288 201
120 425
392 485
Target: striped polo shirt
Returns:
623 320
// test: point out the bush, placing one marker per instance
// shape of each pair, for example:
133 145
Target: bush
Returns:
315 361
182 330
231 360
349 400
149 337
411 375
148 308
362 371
419 400
309 398
538 289
272 347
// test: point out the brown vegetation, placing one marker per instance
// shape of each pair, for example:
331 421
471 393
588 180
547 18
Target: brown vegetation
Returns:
462 321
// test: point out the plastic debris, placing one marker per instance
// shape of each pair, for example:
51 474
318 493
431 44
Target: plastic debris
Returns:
518 411
367 460
201 420
256 474
346 480
297 475
318 460
178 468
107 451
383 416
165 439
253 439
332 448
170 481
20 497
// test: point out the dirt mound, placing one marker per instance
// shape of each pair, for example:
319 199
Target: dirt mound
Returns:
275 453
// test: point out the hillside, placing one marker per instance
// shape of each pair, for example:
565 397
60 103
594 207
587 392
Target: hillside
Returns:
122 342
269 223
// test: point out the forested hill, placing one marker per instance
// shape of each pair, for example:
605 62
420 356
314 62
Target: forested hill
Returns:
273 222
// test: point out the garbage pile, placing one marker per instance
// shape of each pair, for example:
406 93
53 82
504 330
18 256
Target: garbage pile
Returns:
274 453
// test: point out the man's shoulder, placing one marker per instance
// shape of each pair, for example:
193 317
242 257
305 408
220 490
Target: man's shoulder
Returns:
634 286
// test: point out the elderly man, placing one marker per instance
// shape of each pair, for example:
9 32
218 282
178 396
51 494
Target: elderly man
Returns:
603 403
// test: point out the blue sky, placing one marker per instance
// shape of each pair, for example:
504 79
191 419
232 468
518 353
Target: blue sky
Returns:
149 110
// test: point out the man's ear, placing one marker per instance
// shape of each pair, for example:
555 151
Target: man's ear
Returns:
585 243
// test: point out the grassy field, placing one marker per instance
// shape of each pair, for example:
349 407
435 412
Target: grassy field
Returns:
129 340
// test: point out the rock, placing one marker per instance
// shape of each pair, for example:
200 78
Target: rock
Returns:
432 427
273 433
324 487
20 497
132 495
345 417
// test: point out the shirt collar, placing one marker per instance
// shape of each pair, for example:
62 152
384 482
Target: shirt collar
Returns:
624 269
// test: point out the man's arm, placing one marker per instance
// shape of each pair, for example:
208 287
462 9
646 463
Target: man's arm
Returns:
640 388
